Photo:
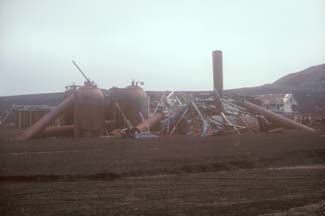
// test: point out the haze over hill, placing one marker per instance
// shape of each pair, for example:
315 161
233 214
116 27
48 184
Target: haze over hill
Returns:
308 86
167 44
311 79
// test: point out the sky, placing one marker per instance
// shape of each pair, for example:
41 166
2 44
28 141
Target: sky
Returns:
167 44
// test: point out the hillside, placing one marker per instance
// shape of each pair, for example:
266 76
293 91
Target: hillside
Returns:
312 79
308 86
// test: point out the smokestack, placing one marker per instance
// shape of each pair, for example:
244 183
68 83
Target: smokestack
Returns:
217 71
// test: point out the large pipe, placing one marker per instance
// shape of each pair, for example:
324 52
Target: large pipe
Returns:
150 122
276 117
179 118
65 130
218 103
217 71
179 112
46 120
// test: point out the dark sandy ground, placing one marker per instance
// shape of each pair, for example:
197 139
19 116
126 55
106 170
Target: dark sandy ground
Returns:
265 174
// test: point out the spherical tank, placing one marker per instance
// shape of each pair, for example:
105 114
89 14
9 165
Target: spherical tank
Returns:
133 103
89 111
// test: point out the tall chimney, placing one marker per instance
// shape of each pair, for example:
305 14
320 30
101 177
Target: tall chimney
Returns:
217 71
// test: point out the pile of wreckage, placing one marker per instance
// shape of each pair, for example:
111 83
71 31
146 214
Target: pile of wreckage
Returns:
87 111
168 113
206 114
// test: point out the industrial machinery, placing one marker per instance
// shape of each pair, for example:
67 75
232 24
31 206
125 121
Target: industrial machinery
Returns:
131 101
86 111
89 111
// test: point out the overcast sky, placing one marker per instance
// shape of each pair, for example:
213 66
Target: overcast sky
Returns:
165 43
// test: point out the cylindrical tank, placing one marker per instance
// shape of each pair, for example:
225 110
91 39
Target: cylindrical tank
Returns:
89 111
132 100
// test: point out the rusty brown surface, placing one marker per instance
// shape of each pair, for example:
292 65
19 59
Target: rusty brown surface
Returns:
132 101
46 120
89 109
66 130
276 117
150 122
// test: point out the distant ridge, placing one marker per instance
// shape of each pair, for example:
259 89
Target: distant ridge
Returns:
307 85
312 78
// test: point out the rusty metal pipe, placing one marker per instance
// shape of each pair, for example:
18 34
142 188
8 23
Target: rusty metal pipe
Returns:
218 103
65 130
276 117
150 122
46 120
179 120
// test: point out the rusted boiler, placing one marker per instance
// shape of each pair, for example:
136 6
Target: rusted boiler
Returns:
89 111
82 110
133 103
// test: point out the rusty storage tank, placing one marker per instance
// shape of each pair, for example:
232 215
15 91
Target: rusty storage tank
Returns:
89 111
133 102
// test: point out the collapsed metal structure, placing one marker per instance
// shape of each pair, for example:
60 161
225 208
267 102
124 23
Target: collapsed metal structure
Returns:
90 111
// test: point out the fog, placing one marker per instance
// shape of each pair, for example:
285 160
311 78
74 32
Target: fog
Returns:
166 44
